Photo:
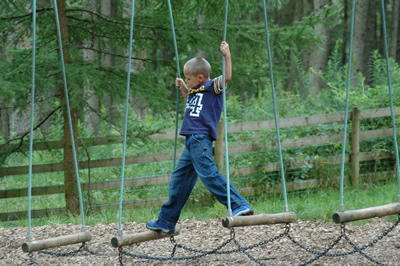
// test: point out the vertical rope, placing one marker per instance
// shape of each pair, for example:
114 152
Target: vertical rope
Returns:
178 75
396 148
32 118
341 206
225 122
126 118
69 114
275 108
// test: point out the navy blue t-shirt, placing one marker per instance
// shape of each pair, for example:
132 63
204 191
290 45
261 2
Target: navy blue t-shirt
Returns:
203 109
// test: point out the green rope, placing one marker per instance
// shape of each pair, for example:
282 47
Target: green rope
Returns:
69 114
32 118
396 149
275 107
126 117
341 207
179 76
225 122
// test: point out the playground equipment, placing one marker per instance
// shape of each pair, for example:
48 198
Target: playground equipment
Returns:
83 236
230 222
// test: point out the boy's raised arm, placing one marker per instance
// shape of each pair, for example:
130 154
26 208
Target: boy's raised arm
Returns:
228 62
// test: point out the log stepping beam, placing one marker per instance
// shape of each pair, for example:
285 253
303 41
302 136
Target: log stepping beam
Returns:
125 240
259 219
367 213
56 242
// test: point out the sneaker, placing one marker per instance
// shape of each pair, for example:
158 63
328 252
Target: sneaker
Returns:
243 211
160 226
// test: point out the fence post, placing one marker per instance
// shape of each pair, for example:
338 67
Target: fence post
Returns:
219 147
355 148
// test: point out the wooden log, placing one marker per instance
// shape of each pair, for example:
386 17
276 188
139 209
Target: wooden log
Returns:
56 242
362 214
125 240
260 219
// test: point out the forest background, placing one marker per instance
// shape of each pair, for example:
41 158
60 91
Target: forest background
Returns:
310 46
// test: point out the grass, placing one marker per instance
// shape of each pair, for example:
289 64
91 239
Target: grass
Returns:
318 205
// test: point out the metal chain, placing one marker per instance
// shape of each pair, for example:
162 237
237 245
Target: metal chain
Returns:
120 256
343 233
63 254
325 252
203 253
362 253
247 254
32 261
287 227
175 245
216 250
100 253
370 244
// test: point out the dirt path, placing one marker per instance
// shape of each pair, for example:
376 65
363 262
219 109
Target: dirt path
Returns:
208 235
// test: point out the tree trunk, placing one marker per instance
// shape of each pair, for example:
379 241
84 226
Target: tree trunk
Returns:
4 120
70 182
109 8
4 110
319 58
360 38
345 30
398 42
305 57
295 74
92 120
371 38
394 29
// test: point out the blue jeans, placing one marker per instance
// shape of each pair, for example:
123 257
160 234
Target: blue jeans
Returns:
196 161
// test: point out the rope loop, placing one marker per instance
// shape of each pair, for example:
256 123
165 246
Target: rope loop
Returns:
343 229
287 228
232 233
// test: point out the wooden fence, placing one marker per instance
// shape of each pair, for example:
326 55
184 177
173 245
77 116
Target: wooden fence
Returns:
355 158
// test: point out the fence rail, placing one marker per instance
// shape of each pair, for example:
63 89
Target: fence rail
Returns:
355 158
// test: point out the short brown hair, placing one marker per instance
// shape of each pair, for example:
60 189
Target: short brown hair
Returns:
198 66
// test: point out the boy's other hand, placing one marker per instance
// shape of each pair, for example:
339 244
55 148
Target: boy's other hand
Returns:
225 48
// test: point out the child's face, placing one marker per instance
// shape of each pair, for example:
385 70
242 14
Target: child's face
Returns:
192 80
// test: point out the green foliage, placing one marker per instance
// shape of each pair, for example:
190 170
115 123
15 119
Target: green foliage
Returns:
91 32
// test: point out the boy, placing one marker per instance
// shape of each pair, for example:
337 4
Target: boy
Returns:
202 113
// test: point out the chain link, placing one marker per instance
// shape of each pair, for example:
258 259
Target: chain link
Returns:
32 261
120 257
63 254
175 245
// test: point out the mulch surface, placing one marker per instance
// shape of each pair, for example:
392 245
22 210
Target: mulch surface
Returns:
269 245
